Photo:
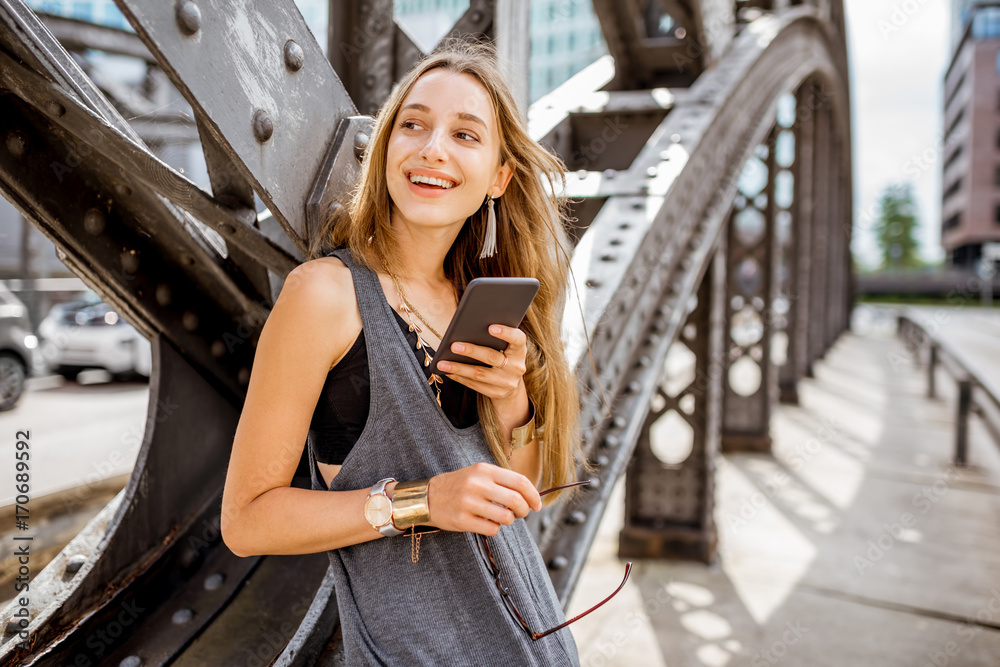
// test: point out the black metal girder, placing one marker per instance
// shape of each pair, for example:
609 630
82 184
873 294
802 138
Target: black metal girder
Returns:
260 84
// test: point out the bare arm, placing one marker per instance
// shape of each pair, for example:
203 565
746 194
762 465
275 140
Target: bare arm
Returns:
312 325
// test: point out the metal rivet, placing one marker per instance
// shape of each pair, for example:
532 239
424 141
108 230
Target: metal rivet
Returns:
675 138
619 422
122 190
293 56
600 461
218 349
576 517
652 172
476 16
594 484
609 257
263 128
75 562
190 320
611 441
634 387
361 141
226 228
558 563
16 143
593 283
188 556
164 295
182 616
55 109
370 81
188 17
644 361
609 174
187 259
14 625
665 155
130 261
131 661
243 376
94 221
213 581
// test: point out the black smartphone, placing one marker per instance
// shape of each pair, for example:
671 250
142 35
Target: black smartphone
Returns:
486 301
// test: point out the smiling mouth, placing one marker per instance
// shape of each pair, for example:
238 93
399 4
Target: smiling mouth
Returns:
430 181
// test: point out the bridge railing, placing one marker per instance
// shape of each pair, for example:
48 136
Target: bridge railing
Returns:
977 392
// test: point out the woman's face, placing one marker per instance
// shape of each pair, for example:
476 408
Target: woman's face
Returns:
444 150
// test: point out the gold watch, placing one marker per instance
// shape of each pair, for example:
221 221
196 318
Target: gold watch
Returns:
378 509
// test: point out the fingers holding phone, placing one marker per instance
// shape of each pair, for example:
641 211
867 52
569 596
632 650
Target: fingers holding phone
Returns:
501 375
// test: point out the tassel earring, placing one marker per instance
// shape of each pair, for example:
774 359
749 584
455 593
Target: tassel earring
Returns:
490 242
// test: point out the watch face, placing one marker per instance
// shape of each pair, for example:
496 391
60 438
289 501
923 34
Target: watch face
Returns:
378 510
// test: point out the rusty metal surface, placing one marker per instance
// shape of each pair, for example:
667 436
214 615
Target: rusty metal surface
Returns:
654 184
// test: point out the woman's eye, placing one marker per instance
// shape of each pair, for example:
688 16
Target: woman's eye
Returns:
466 136
408 125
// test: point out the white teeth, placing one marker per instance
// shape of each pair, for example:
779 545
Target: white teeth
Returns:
418 178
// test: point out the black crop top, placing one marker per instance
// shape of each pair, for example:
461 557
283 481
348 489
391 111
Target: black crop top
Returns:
342 408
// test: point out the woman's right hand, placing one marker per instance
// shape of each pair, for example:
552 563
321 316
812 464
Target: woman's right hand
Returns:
479 498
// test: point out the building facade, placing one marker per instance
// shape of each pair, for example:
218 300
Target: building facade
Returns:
970 183
565 35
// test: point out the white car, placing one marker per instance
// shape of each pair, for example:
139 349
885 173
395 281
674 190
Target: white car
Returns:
88 333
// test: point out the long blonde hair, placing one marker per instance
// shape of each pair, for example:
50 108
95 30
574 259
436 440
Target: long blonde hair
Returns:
531 241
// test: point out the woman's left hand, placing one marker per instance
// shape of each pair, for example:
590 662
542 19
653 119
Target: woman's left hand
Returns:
500 380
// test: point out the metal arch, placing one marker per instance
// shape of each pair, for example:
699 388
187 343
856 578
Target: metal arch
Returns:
641 260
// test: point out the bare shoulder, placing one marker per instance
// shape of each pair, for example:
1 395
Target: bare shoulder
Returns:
319 302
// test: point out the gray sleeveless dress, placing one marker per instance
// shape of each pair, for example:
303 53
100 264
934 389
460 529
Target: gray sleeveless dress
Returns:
444 609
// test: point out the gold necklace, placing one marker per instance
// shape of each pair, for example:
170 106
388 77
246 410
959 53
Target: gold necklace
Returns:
434 380
407 307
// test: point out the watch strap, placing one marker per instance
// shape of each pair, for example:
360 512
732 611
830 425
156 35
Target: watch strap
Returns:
378 489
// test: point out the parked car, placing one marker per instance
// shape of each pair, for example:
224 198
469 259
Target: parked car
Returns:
16 348
88 333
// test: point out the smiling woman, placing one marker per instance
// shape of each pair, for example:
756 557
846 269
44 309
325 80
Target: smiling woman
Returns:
451 189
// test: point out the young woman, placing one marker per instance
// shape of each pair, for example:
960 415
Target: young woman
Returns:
421 483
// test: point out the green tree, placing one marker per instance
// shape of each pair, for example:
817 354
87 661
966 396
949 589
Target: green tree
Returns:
895 230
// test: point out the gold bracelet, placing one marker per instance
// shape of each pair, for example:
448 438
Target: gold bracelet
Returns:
522 436
410 504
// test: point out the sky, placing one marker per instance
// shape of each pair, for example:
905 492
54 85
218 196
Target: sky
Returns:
898 53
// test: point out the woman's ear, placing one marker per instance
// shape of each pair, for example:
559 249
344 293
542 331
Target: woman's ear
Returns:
504 175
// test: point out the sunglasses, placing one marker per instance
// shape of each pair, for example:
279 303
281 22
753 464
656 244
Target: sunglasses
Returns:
491 562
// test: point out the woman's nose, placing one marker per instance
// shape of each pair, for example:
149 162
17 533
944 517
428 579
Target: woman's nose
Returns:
432 150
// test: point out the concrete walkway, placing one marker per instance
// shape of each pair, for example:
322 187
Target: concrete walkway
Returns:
856 543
